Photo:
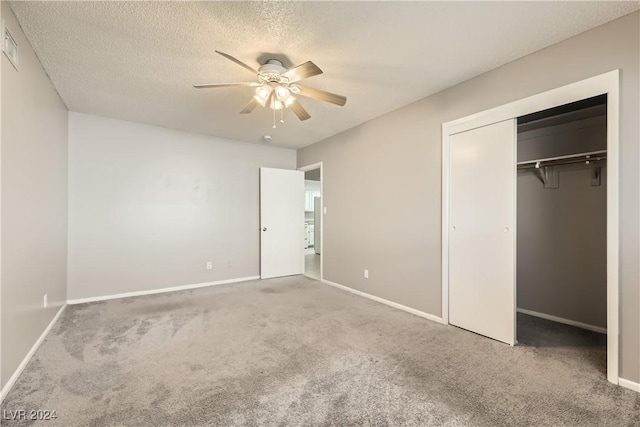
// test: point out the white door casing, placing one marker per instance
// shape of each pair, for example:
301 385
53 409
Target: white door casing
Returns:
281 222
317 222
482 220
319 219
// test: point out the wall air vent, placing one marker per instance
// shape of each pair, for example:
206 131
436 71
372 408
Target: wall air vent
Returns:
9 46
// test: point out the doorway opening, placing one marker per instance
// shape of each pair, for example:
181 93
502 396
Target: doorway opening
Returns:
561 186
312 245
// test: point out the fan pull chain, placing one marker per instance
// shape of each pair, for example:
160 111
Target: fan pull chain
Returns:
274 119
282 115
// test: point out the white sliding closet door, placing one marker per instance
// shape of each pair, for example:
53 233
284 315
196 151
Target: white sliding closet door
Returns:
482 211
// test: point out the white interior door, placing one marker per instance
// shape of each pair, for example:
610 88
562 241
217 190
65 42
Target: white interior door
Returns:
281 222
482 230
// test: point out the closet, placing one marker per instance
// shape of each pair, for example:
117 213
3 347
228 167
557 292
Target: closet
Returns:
527 221
530 221
561 215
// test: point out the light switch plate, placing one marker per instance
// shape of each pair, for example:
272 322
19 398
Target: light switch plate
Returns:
9 46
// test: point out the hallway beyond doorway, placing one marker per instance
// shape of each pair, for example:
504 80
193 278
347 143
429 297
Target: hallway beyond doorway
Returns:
311 264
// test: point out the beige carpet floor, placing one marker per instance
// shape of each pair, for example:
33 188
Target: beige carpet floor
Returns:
292 351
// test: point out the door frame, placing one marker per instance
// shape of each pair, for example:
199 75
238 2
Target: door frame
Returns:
607 83
313 166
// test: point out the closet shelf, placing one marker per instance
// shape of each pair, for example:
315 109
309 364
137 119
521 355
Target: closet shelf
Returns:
588 158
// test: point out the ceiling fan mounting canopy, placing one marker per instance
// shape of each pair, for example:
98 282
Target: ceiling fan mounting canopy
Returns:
275 86
276 64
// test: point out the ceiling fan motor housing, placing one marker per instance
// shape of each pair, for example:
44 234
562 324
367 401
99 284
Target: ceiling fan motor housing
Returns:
271 72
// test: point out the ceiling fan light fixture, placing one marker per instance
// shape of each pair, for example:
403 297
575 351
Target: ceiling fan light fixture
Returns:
289 101
262 94
261 101
282 92
277 105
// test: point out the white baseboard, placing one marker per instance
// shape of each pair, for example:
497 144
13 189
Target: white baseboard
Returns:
386 302
160 291
562 320
629 384
29 355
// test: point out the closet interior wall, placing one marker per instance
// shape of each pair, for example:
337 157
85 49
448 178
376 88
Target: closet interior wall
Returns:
562 240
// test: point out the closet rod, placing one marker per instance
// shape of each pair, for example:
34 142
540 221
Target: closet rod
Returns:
593 156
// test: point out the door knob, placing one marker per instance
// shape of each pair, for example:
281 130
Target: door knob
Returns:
264 228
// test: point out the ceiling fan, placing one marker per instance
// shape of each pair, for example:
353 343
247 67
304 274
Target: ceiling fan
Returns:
276 87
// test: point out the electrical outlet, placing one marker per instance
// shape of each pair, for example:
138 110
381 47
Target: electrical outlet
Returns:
228 263
45 302
366 274
209 265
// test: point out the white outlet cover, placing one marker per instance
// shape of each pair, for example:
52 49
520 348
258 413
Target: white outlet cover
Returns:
366 274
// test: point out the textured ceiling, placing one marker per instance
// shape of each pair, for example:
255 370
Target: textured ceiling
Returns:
137 61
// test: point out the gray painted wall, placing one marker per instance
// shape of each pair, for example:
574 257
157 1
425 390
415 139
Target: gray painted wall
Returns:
390 168
562 233
34 202
149 206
